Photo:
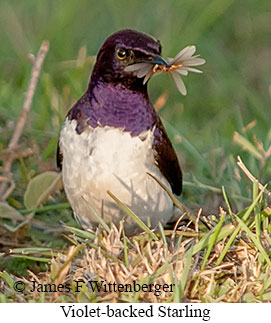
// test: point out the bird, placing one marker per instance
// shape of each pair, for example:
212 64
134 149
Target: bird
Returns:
112 140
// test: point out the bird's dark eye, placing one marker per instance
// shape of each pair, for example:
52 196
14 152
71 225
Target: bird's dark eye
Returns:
121 53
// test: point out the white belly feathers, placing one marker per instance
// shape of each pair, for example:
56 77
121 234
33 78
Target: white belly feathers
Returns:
107 158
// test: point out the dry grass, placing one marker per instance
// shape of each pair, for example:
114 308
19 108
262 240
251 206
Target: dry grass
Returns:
243 275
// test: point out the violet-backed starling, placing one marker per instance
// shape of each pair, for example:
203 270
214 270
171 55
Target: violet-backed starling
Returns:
112 138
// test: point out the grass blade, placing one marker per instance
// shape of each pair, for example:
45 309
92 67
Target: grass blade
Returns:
236 231
204 242
174 200
254 239
98 218
226 200
80 233
246 145
213 239
129 212
185 274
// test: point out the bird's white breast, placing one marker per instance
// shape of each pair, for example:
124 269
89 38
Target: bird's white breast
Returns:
107 158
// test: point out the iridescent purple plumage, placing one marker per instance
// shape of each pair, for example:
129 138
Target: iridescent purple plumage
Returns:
114 105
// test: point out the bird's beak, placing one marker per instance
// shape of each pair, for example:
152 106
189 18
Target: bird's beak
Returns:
159 60
154 60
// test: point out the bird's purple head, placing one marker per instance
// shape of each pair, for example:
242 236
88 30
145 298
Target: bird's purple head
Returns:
121 49
116 97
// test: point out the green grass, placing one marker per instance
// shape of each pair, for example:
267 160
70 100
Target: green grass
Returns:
225 114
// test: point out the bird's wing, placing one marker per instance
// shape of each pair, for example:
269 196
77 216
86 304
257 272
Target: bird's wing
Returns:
59 157
166 158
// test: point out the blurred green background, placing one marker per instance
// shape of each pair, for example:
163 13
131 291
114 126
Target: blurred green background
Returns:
234 90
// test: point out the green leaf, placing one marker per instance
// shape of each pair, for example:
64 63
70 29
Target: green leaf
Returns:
8 212
40 187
